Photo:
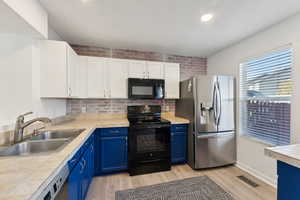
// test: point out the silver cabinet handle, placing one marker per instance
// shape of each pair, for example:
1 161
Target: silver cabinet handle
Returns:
115 131
82 167
73 160
84 163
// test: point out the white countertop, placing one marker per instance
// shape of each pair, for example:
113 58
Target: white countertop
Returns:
289 154
22 177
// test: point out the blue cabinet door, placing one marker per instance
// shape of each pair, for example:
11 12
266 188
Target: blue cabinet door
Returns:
113 156
178 147
91 162
82 170
75 183
288 187
179 143
97 154
85 174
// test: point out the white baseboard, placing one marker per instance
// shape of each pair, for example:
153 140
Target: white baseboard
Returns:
257 174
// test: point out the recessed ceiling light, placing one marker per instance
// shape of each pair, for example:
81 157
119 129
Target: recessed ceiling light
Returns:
85 1
207 17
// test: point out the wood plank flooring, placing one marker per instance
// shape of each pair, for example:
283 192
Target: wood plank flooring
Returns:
104 188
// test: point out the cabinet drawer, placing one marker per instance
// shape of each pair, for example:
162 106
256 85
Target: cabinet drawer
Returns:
179 128
109 132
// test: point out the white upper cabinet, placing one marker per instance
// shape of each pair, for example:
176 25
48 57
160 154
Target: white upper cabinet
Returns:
64 74
155 70
24 17
117 70
137 69
97 83
82 77
107 78
145 69
58 70
73 67
172 80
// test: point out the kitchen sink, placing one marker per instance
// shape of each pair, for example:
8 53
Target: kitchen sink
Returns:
33 147
57 134
42 142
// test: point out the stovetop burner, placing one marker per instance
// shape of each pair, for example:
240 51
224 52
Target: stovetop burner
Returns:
148 114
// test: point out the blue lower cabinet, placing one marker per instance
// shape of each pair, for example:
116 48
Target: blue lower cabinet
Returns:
111 150
114 154
288 182
92 162
75 183
81 171
85 179
178 147
179 143
97 154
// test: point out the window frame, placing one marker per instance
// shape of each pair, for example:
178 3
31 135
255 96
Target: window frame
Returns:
242 130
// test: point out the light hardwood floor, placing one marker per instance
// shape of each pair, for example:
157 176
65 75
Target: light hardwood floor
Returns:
104 188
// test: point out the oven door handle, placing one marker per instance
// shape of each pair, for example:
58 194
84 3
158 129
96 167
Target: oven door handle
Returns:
151 126
150 161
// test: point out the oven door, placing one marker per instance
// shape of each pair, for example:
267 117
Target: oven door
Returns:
145 89
148 144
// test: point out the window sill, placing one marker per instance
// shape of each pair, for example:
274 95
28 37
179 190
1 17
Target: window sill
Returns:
263 142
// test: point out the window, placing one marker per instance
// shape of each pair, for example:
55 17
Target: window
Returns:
265 97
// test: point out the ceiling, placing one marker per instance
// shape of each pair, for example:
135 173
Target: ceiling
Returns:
166 26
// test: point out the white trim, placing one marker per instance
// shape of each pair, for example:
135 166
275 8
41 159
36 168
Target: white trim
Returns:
257 140
270 181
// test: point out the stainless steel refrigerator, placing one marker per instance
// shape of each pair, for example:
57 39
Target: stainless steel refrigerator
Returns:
209 103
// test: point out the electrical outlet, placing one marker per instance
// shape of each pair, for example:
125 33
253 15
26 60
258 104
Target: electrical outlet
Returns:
83 109
167 108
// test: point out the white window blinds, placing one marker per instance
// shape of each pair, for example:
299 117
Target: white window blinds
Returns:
265 97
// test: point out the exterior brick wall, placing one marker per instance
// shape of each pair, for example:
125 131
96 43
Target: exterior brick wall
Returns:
189 66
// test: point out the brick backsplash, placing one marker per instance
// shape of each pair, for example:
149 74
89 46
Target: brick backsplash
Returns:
75 106
189 66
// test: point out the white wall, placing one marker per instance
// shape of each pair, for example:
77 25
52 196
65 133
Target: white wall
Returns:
53 35
32 13
251 153
19 82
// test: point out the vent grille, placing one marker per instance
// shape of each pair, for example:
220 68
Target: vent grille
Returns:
248 181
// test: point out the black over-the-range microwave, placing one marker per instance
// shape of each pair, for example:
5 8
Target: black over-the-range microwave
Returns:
146 88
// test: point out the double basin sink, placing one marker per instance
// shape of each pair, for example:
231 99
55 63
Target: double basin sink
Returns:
46 141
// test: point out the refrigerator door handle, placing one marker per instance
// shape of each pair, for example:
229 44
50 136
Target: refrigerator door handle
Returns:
214 103
219 106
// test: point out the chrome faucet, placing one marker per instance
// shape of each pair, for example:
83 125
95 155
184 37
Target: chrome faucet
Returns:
20 125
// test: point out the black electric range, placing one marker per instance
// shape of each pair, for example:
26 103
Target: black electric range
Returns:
149 140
